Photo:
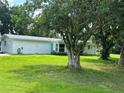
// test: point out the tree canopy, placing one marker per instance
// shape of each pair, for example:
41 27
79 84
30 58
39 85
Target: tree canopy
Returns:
5 18
106 26
118 7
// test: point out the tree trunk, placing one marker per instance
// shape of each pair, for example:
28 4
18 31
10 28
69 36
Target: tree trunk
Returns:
105 54
73 61
121 61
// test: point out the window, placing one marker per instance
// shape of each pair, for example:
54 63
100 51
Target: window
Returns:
61 48
56 47
89 47
4 43
0 46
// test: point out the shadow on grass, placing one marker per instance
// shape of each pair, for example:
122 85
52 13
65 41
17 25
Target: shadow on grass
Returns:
52 76
89 60
112 60
94 61
60 73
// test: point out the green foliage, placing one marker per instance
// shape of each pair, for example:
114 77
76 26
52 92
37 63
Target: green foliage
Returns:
26 22
58 53
5 19
21 19
40 27
106 26
71 19
118 11
116 49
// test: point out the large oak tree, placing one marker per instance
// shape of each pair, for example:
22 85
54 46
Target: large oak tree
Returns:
118 10
73 20
106 25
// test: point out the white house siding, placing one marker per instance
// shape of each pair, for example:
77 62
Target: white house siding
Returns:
92 50
0 44
31 47
6 45
36 45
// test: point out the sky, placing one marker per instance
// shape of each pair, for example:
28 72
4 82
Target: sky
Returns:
16 2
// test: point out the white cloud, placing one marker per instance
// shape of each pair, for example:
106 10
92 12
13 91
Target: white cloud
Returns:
16 2
37 12
11 2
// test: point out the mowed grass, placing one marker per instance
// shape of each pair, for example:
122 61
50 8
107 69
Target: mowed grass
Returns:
47 74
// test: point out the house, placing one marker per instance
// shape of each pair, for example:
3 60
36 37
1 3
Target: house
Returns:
20 44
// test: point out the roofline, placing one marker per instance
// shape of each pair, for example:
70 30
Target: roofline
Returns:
34 38
31 38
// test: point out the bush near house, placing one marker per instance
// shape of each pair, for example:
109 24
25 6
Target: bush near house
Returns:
64 54
59 53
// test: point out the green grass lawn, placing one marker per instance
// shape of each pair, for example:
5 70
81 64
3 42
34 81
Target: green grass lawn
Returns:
47 74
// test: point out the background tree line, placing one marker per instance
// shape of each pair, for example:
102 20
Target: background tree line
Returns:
75 20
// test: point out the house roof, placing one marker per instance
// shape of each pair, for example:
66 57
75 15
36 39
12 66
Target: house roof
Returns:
32 38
